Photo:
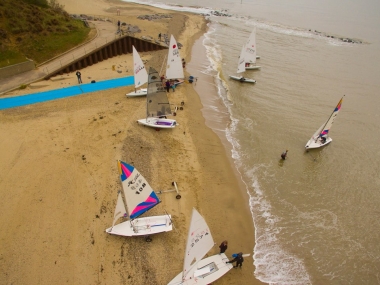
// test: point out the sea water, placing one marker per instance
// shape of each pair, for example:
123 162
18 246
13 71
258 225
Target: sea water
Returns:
316 214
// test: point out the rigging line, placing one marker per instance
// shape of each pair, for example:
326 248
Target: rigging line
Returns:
171 220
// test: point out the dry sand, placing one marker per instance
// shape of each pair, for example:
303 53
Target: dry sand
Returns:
59 179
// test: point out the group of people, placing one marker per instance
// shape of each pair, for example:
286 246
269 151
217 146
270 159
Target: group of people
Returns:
168 84
238 258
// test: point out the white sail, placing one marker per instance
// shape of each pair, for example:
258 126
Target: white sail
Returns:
199 242
139 71
250 48
174 69
241 63
119 209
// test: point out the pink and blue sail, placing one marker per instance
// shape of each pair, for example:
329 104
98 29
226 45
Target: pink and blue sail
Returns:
139 195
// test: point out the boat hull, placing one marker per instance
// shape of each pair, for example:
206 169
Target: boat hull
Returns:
252 67
142 226
210 268
178 81
158 123
137 93
247 80
317 144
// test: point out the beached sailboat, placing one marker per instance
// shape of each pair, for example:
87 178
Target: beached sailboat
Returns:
174 68
321 136
140 75
195 269
241 68
250 52
157 104
140 198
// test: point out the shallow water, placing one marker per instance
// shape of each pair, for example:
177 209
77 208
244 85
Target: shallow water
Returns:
316 213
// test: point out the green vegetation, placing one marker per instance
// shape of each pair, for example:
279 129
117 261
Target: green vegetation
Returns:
38 30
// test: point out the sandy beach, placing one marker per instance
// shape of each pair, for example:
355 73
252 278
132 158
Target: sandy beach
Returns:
59 177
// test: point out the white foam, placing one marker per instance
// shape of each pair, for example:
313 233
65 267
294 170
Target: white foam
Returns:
273 264
196 10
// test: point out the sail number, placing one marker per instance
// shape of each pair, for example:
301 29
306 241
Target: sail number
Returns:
137 184
198 237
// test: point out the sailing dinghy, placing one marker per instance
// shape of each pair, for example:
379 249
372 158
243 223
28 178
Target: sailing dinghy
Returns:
157 104
140 198
174 69
140 75
195 269
321 136
241 68
250 52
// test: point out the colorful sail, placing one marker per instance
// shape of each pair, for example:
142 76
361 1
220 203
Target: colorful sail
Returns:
139 71
327 126
174 69
250 48
199 242
139 196
321 136
157 99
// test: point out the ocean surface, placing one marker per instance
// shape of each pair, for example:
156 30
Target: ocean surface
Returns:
316 214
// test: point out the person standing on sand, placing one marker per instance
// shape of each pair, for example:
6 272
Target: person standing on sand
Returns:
79 75
118 25
239 260
167 84
223 246
173 86
159 36
118 12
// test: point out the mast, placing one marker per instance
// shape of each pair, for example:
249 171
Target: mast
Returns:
162 66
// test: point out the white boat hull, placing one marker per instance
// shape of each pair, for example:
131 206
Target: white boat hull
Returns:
142 226
205 272
316 144
158 123
210 268
252 67
178 81
137 93
247 80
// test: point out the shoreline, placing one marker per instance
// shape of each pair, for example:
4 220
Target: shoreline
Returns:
80 195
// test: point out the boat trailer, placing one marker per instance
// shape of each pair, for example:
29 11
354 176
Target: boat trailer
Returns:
178 196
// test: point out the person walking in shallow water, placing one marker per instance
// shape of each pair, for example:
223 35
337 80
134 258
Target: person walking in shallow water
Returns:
79 76
284 154
223 246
